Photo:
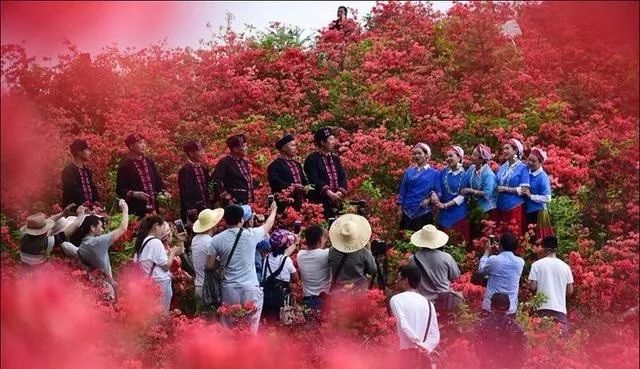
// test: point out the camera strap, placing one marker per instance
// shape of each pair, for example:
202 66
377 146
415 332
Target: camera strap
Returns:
426 332
419 264
140 253
233 249
338 270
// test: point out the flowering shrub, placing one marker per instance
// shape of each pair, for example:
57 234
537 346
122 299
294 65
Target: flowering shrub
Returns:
239 314
568 84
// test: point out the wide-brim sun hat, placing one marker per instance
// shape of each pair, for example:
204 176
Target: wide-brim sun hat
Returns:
350 233
429 237
208 219
37 224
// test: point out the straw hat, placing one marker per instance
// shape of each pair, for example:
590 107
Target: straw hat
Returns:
37 225
207 219
429 237
350 233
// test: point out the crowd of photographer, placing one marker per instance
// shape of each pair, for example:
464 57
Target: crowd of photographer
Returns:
252 260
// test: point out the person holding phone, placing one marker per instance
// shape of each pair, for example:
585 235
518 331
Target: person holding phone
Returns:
240 282
39 235
93 251
503 271
152 257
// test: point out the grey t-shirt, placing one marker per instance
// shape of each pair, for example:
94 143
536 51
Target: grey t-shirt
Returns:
95 252
440 270
356 266
241 271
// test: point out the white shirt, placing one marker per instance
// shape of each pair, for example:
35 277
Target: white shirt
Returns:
200 248
154 252
552 276
314 271
274 264
411 311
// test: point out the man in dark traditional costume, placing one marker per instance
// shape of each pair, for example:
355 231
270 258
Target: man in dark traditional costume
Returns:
138 181
326 173
286 174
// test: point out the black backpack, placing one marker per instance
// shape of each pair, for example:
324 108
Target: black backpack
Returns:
275 290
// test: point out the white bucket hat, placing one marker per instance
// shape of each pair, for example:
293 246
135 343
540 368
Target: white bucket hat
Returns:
350 233
429 237
207 219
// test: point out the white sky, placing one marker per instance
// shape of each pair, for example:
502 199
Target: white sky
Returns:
309 15
42 25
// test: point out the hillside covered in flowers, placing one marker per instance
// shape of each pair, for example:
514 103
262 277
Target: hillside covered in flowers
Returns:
568 84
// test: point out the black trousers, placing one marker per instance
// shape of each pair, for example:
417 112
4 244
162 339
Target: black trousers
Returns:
415 224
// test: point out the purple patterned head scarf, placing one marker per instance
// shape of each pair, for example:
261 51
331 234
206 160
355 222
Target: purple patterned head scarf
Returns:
281 239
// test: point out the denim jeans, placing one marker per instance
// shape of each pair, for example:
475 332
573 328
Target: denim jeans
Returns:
313 302
167 294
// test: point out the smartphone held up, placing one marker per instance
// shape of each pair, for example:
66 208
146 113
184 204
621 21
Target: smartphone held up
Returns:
180 229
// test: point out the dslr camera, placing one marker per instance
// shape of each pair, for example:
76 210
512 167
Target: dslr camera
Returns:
362 208
379 247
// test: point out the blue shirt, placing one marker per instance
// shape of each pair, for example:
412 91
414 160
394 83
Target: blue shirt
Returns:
540 188
516 175
417 184
504 272
451 182
485 182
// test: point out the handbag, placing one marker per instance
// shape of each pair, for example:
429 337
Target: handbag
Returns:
290 313
446 301
212 285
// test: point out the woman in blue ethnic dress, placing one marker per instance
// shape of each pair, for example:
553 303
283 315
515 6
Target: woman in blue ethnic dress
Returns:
539 195
481 185
453 210
513 177
418 181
